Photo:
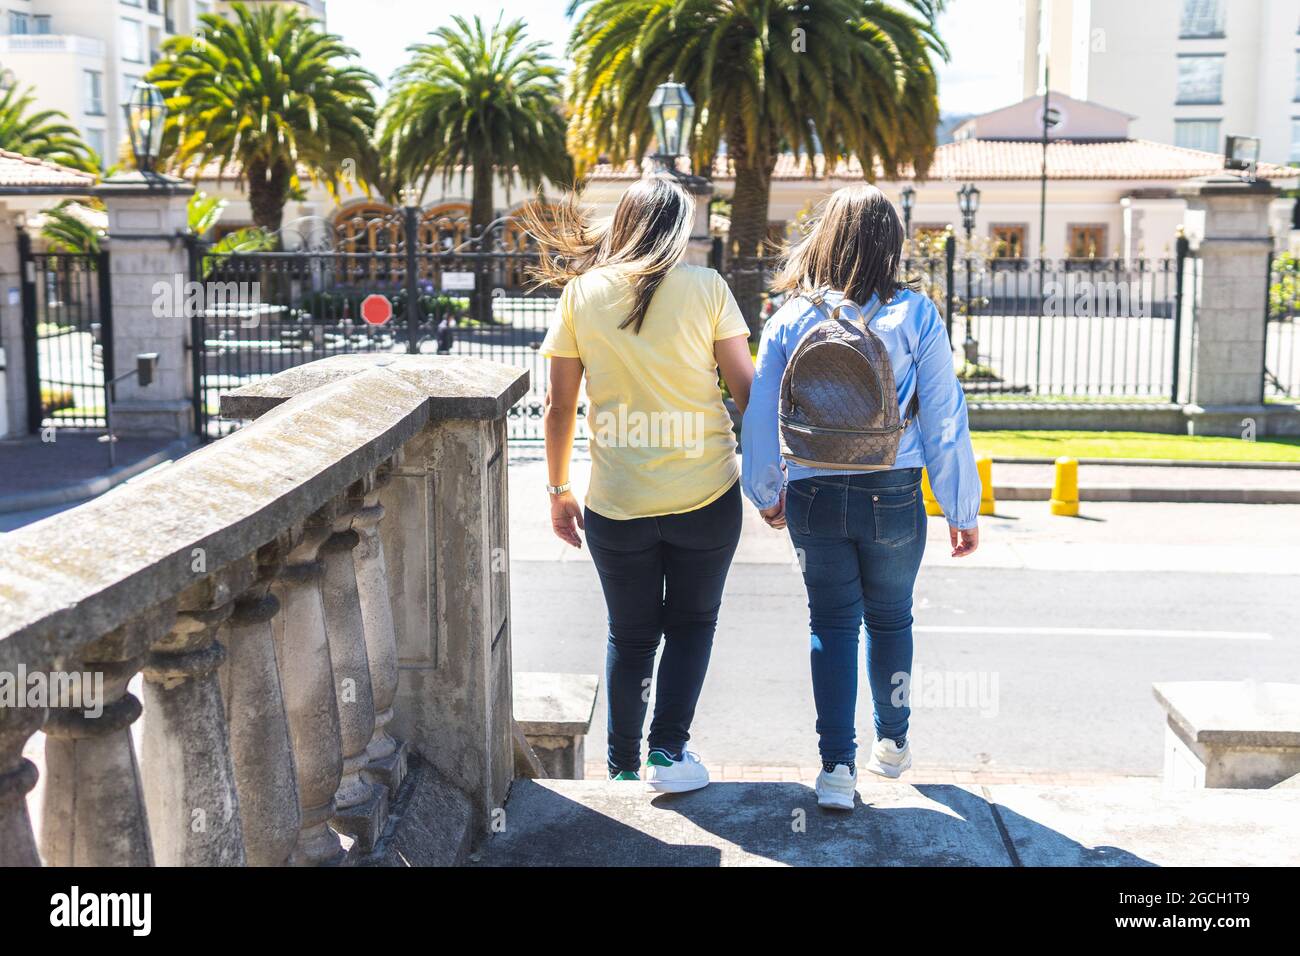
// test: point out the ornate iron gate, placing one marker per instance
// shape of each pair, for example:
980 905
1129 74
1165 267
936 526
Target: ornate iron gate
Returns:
67 336
362 287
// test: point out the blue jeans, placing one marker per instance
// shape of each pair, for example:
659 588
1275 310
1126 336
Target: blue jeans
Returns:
860 538
662 577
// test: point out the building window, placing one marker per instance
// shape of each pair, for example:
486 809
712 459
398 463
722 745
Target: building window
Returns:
1200 78
1197 134
95 140
1007 240
132 40
1297 76
1086 241
18 23
1295 140
41 22
94 93
1201 18
129 80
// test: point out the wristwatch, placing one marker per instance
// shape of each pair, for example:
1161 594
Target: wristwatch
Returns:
558 489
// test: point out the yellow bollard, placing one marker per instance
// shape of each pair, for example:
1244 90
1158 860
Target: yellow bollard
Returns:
927 495
985 465
1065 488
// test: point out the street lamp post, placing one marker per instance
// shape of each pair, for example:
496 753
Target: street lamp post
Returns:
146 112
672 113
908 201
968 200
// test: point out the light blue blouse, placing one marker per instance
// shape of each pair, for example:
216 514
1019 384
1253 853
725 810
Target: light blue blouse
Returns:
919 350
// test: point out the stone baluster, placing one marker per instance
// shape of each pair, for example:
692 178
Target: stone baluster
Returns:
302 653
260 744
189 781
93 812
386 757
360 805
17 777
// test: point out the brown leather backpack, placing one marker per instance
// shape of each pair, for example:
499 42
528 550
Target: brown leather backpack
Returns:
839 406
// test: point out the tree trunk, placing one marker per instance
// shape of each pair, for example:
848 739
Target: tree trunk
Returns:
268 191
747 240
481 212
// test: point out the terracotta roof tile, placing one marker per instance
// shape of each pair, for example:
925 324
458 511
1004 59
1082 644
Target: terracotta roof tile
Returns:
19 170
986 159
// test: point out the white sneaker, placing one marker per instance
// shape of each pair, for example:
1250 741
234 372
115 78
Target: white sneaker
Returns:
889 760
836 790
664 775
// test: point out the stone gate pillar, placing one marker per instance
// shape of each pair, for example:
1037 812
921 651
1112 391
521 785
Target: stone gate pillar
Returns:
149 266
1230 217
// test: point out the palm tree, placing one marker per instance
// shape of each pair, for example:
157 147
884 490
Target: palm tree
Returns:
66 228
838 77
485 99
271 92
46 134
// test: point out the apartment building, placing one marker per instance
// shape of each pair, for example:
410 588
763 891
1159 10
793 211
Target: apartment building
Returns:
1191 72
83 57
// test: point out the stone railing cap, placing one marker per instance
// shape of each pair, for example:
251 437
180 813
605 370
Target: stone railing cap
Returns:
1234 713
554 705
78 575
458 387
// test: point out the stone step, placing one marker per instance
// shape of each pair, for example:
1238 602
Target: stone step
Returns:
600 823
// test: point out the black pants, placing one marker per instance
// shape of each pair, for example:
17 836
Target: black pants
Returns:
662 577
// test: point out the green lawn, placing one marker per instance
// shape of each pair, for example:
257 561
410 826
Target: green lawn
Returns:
1034 444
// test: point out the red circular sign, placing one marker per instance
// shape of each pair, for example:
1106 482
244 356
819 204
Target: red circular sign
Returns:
376 309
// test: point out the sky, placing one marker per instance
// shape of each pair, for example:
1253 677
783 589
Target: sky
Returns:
983 36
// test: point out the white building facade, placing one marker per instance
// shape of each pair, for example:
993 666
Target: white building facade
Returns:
1191 72
83 57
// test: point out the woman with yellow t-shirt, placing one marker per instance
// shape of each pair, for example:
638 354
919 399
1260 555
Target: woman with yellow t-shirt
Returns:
663 509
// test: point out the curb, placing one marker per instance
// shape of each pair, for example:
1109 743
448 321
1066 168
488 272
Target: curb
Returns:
1221 496
1159 463
93 487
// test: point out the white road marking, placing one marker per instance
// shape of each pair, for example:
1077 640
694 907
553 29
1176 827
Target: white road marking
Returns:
1094 632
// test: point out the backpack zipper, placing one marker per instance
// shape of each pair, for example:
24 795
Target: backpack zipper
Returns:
821 430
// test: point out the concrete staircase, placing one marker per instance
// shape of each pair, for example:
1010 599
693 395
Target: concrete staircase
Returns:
598 823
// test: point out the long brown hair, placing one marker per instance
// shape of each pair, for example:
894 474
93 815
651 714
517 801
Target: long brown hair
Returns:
647 236
855 247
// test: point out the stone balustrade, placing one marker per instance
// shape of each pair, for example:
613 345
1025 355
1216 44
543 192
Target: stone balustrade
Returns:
309 604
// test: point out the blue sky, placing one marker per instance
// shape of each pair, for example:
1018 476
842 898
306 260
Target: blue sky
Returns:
984 37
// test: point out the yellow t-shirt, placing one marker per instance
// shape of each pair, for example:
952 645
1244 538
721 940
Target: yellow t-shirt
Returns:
661 439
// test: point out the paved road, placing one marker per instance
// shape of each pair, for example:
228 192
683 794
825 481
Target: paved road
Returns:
1063 624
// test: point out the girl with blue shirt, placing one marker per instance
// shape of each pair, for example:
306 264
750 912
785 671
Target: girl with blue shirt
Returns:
860 535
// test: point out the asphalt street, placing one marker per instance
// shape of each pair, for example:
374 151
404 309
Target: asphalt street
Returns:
1037 653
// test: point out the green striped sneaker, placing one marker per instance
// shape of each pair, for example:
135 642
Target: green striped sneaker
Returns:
666 775
624 775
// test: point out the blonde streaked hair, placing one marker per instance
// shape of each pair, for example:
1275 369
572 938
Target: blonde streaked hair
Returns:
645 238
855 247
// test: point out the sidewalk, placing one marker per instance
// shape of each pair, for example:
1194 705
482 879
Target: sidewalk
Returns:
1232 484
36 474
1110 535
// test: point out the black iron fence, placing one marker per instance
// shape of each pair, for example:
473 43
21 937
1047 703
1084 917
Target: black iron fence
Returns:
67 337
1028 329
1043 329
1281 338
365 289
